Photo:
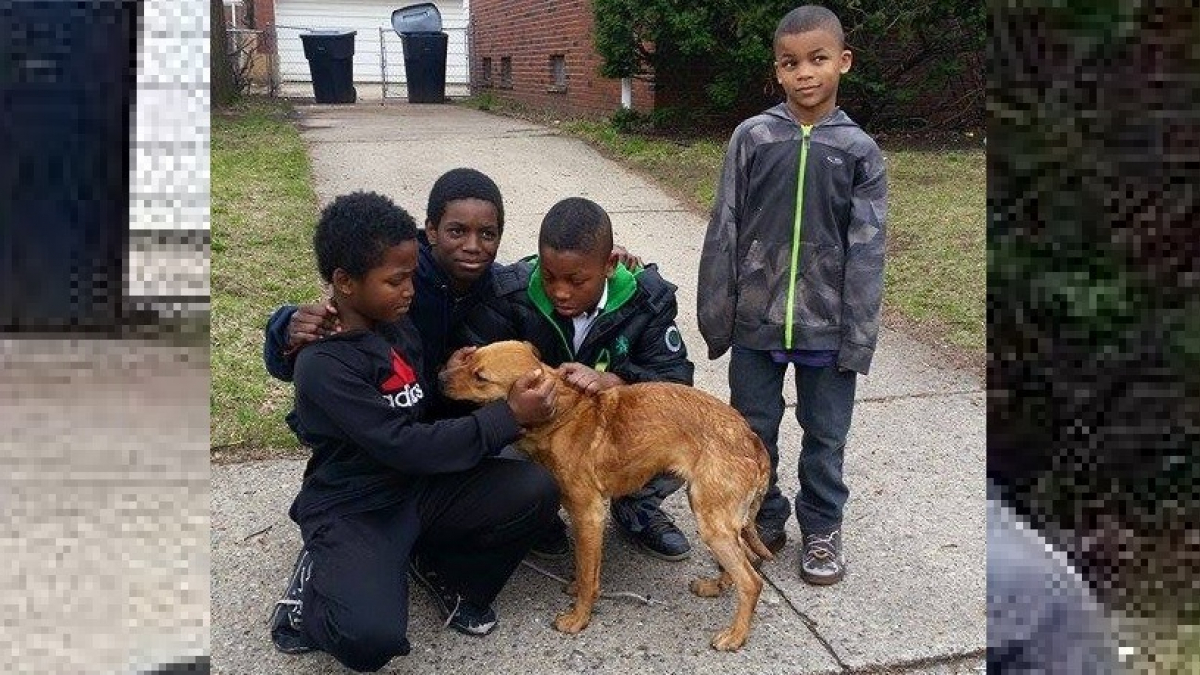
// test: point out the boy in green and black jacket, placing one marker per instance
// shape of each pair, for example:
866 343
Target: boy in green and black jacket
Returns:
606 325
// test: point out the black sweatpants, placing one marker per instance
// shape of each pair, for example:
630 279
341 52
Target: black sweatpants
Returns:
473 527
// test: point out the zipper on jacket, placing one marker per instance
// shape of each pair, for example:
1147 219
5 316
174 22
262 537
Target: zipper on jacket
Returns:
561 335
806 132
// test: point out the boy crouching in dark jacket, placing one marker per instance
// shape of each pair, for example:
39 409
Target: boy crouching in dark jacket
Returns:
606 324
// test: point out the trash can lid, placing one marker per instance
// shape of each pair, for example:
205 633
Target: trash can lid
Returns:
330 32
421 18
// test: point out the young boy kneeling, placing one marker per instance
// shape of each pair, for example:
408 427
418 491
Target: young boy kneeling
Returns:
386 493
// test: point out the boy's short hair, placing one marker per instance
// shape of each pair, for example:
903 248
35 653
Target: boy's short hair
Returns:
463 184
810 17
576 224
356 229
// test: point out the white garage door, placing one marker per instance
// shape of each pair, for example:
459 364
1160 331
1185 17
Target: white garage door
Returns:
293 17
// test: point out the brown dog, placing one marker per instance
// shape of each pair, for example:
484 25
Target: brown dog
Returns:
605 445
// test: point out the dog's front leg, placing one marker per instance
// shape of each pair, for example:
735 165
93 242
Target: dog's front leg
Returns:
587 520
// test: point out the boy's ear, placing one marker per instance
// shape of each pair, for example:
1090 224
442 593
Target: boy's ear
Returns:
431 231
611 265
343 283
847 60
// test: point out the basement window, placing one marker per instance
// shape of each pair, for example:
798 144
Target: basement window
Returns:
506 72
558 73
486 71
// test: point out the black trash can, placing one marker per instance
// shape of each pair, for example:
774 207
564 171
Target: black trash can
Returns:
67 83
420 29
330 55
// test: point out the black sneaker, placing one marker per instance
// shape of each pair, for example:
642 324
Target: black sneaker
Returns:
658 537
553 544
772 534
461 614
286 618
822 563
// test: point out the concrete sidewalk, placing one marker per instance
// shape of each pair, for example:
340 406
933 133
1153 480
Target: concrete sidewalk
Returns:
914 595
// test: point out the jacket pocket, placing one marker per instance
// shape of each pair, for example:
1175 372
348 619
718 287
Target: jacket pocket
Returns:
819 292
762 284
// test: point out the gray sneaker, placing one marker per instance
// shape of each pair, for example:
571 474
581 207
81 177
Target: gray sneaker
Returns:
822 563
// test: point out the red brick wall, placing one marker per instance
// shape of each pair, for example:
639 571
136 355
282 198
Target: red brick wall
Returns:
530 32
264 17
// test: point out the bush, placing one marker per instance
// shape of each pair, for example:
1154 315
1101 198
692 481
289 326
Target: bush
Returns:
906 52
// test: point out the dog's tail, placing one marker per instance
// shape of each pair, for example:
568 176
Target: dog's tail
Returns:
750 530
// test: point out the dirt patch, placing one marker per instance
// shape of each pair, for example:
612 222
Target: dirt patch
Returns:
237 455
932 334
932 141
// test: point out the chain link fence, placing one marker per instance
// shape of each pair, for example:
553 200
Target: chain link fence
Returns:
272 61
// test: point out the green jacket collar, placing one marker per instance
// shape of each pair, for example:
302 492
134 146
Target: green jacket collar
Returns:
621 287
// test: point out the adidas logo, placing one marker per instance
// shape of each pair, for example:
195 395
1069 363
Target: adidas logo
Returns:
401 390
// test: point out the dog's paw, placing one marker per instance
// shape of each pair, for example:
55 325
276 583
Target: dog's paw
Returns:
706 588
571 623
729 640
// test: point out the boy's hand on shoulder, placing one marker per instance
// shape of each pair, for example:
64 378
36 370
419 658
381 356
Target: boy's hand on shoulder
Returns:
629 260
588 379
532 398
312 322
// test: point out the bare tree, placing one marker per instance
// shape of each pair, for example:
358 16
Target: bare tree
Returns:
224 88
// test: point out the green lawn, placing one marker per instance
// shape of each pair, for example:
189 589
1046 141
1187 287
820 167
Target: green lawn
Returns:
937 254
1163 648
263 213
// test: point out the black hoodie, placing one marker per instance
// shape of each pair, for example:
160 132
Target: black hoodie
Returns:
361 406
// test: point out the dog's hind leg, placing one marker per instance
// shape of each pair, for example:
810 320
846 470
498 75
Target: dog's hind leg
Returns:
587 521
723 541
707 587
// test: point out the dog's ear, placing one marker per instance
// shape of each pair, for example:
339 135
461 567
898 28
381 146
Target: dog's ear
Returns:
536 353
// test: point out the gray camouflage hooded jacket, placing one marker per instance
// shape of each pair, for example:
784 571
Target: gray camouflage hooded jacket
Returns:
796 265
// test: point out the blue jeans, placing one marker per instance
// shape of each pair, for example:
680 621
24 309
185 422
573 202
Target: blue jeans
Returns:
825 403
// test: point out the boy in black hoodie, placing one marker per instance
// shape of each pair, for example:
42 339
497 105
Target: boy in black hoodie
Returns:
386 492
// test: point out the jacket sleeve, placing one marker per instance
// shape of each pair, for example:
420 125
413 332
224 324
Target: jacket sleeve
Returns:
275 343
862 285
391 436
489 321
658 354
496 317
716 286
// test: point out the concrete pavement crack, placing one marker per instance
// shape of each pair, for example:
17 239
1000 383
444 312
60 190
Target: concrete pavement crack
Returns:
930 394
922 665
903 397
809 623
